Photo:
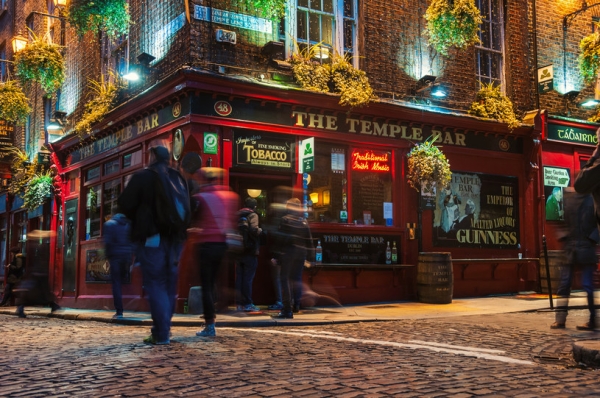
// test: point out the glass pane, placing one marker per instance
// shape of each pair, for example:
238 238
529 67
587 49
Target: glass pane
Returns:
92 174
496 37
110 194
132 159
327 30
327 187
348 36
484 36
485 9
371 185
314 34
111 167
92 212
328 6
315 5
302 28
303 3
349 8
496 67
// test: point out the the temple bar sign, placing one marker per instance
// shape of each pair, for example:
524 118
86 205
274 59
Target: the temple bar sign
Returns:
575 135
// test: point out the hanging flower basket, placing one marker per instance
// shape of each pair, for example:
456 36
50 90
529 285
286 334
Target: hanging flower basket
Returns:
14 106
452 23
338 77
589 58
95 109
38 190
41 62
109 16
490 103
427 164
269 9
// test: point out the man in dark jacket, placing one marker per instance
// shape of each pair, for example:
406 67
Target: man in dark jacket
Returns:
15 269
580 239
117 248
247 263
157 251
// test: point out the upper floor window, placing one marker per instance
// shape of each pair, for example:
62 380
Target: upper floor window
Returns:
3 64
490 53
331 23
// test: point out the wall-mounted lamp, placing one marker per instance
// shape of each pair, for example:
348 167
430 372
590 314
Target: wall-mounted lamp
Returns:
427 83
18 43
439 91
589 103
568 98
142 68
60 3
314 197
321 52
254 193
275 52
58 121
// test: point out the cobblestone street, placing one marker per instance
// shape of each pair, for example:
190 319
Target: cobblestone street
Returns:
514 355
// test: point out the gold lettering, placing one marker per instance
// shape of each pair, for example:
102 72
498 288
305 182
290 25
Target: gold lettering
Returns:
299 118
331 122
365 127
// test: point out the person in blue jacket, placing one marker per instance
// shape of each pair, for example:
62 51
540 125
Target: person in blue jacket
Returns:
118 251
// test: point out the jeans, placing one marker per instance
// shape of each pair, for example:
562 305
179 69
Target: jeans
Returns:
119 269
211 256
292 265
564 290
159 270
245 269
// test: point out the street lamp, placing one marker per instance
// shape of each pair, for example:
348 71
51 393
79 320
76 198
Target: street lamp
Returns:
18 43
60 3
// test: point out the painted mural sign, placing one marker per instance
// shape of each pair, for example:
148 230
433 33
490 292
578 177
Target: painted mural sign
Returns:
477 210
256 150
357 248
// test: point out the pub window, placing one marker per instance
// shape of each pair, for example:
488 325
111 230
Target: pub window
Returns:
327 188
3 65
490 53
371 181
92 212
132 159
111 167
110 194
73 181
92 174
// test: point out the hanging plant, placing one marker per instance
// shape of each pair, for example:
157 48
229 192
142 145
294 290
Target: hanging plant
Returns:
41 62
269 9
452 23
14 106
109 16
589 58
38 190
490 103
427 164
22 169
338 77
95 109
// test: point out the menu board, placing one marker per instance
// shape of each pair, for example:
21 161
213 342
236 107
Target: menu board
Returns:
477 210
369 192
357 248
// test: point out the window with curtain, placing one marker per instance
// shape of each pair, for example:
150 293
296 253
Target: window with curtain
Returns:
490 53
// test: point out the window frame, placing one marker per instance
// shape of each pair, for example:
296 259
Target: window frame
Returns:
481 49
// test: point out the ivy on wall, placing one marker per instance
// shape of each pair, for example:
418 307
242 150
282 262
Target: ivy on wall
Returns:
109 16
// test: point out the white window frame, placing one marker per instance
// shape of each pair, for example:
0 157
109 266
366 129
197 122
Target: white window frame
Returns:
486 77
338 28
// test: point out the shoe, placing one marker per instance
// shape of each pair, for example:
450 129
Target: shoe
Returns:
151 340
208 331
251 308
586 326
277 306
284 315
117 316
239 308
557 325
21 312
54 307
296 308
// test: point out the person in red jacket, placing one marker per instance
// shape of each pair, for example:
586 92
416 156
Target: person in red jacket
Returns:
216 209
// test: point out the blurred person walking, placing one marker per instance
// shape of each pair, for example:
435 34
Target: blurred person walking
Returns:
296 239
580 239
118 251
247 263
157 202
216 207
15 271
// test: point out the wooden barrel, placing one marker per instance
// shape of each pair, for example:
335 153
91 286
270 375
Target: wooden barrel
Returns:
435 279
556 263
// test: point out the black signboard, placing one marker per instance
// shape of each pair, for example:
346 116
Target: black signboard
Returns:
575 135
367 248
477 210
262 151
7 131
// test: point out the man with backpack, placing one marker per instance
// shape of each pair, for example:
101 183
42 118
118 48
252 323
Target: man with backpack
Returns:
157 202
246 264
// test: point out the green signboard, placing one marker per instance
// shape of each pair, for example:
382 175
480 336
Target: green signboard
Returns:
575 135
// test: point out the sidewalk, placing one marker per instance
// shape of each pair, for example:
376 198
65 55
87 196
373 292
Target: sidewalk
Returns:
371 312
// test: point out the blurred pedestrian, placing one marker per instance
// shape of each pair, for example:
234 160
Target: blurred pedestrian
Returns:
296 239
34 288
588 179
215 214
149 200
247 263
118 251
15 271
579 240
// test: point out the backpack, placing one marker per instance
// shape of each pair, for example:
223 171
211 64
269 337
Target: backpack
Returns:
248 238
172 203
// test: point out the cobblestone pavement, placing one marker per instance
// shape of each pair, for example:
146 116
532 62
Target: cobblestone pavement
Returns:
512 355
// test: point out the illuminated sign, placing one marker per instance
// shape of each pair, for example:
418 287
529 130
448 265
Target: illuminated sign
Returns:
370 161
262 151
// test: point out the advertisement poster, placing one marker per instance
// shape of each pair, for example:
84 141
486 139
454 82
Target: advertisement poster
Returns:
262 151
97 268
555 180
477 210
